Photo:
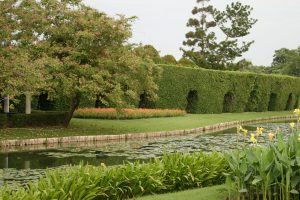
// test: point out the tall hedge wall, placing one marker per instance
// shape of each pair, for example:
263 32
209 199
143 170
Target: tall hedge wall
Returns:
210 91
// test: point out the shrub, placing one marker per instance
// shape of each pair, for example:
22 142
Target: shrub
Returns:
3 120
126 181
112 113
36 119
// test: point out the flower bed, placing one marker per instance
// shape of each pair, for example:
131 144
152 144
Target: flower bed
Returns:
127 113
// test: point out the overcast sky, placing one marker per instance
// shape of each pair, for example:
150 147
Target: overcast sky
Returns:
162 23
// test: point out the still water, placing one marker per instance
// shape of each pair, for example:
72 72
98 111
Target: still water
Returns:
29 165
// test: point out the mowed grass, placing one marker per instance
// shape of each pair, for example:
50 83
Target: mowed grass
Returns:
109 127
209 193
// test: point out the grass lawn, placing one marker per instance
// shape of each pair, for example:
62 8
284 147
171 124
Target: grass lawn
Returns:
109 127
209 193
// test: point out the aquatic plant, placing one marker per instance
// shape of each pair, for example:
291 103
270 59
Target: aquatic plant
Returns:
269 172
172 172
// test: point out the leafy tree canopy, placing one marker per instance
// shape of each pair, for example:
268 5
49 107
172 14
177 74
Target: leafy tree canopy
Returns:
84 52
185 62
286 61
203 46
21 65
169 59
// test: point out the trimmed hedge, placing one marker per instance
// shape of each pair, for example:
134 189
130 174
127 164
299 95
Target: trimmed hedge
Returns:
3 120
36 119
225 91
209 91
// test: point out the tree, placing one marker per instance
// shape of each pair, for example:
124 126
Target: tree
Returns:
286 61
88 54
184 62
204 48
169 59
21 66
148 52
77 50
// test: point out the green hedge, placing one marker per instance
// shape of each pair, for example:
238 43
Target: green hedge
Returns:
209 88
3 120
37 119
204 91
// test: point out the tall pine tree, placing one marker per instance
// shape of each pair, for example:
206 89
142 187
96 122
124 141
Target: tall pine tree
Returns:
203 46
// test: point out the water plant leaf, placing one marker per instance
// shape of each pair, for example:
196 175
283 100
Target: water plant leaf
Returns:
256 180
293 191
244 190
247 177
295 181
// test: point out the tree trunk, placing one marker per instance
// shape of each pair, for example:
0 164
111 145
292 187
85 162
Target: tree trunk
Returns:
97 103
28 104
6 104
73 106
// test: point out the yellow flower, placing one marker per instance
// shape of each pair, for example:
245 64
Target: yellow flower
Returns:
297 112
292 125
299 138
245 131
103 165
253 139
271 136
238 129
259 131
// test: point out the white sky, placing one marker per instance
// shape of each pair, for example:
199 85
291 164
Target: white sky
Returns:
162 23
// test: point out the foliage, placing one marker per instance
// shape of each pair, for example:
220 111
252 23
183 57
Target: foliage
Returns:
212 86
126 181
36 119
168 59
270 172
3 120
286 61
83 52
184 172
185 62
21 64
148 52
112 113
204 49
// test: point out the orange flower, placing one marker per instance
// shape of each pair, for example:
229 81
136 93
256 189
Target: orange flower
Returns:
128 113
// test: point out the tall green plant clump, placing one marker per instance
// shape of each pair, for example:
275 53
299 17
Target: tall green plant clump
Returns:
269 173
170 173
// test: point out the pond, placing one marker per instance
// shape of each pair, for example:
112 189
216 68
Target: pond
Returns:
23 166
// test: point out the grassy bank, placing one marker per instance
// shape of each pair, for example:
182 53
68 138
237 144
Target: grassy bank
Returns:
208 193
109 127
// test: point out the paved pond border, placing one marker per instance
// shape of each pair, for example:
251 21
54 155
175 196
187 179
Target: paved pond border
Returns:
41 143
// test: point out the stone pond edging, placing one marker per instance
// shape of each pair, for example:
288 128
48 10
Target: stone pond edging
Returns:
133 136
